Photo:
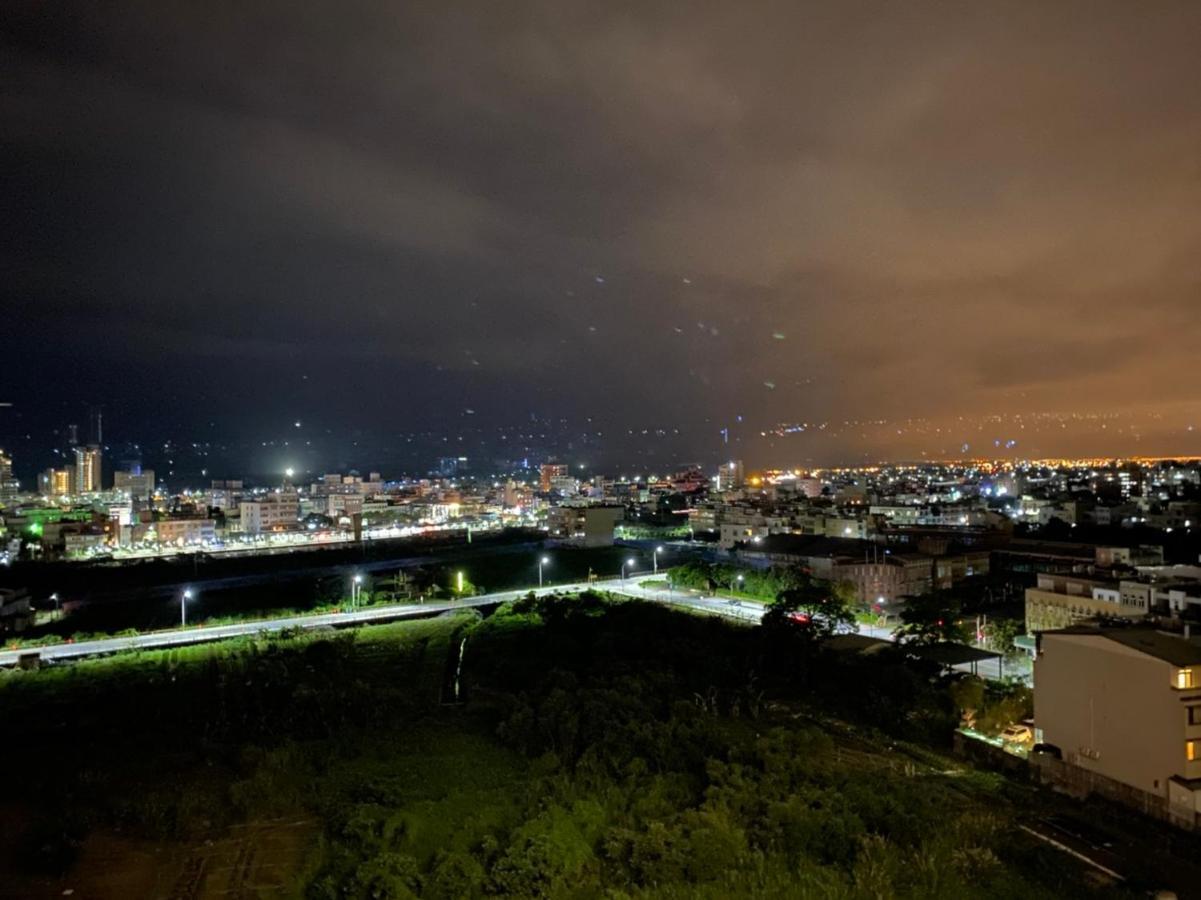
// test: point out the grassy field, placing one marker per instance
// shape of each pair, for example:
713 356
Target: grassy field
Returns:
601 750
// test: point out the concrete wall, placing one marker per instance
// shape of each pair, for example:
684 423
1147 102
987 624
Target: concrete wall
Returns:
1110 710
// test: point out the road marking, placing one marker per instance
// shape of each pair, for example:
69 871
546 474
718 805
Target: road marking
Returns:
1066 849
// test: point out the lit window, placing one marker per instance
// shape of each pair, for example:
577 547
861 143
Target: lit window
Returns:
1184 679
1192 750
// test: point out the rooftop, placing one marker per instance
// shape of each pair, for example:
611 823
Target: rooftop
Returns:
1171 648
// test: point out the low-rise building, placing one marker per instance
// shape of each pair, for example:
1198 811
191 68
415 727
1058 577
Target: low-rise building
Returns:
1124 704
139 485
1059 601
16 611
177 531
886 578
584 524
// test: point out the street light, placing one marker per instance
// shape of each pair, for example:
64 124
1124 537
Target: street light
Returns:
628 562
57 606
355 589
460 583
542 561
655 558
183 608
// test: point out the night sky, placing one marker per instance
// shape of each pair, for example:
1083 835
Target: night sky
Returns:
595 219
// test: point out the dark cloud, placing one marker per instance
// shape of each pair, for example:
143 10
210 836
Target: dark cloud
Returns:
662 214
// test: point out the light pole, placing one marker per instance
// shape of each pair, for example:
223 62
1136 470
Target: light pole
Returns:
736 580
183 608
57 606
655 558
460 583
355 589
542 561
628 562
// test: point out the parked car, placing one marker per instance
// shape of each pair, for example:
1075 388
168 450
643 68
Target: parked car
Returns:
1018 734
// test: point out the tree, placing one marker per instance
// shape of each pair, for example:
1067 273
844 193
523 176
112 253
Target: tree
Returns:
968 696
1001 633
813 609
932 618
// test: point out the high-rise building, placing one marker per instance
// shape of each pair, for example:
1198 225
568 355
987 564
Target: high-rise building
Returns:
549 472
9 486
730 475
57 482
87 469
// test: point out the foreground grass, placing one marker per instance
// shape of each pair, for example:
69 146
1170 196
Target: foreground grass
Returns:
604 750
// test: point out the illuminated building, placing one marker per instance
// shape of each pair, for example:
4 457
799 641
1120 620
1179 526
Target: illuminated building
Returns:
87 469
1060 601
275 512
8 485
57 482
549 472
730 475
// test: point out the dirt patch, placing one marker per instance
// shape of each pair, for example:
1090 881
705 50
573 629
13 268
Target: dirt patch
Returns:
256 860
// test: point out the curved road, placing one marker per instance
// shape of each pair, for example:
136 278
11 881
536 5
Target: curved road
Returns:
743 611
205 633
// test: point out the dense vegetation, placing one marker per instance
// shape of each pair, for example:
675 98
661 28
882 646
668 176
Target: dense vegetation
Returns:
593 749
757 584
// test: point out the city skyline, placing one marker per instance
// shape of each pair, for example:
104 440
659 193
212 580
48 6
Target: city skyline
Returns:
306 446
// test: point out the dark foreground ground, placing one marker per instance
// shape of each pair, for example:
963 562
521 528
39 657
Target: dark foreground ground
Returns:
564 748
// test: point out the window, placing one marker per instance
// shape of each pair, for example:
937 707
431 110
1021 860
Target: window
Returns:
1184 679
1194 715
1192 750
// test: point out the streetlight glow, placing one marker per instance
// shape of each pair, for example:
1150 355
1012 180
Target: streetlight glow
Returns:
628 562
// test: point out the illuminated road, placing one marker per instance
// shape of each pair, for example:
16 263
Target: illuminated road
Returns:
204 633
742 610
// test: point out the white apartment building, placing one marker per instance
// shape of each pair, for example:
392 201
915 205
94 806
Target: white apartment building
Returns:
279 511
1125 704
